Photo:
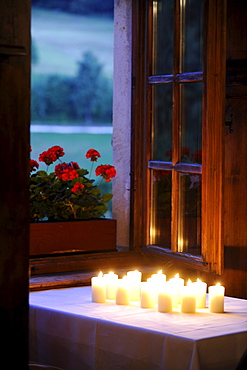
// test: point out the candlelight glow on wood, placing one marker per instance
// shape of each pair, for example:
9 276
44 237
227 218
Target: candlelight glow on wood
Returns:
157 292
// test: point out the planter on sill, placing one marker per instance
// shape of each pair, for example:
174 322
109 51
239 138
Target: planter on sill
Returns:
72 236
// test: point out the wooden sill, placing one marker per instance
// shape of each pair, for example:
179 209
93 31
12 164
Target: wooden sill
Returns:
76 279
79 271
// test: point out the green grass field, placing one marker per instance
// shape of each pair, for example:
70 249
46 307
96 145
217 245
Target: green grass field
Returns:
62 38
75 146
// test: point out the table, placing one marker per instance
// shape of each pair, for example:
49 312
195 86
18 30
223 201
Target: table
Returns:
68 330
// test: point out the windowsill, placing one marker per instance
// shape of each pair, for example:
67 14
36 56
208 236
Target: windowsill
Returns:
85 267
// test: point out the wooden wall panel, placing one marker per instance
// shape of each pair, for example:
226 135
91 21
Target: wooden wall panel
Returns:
14 197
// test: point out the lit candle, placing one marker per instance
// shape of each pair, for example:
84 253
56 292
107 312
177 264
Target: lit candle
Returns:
178 284
216 298
134 278
135 288
111 285
98 284
147 295
159 277
157 280
166 298
200 291
188 299
135 275
123 292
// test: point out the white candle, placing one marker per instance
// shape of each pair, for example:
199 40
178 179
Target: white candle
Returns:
216 298
147 295
157 280
188 300
111 285
200 290
159 277
136 275
135 289
178 284
98 284
123 292
166 298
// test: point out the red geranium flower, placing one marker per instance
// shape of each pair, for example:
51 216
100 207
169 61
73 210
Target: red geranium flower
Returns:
77 188
74 165
93 155
51 155
106 171
197 156
33 165
184 151
66 171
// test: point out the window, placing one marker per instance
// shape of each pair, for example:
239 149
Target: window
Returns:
179 80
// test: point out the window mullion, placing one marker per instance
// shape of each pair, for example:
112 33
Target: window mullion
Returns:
175 131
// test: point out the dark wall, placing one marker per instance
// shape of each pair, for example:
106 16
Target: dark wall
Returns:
14 159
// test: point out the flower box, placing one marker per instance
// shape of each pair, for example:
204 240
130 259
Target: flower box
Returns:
75 236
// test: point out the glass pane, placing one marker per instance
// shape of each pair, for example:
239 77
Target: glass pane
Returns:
189 222
191 123
160 226
162 122
163 29
192 35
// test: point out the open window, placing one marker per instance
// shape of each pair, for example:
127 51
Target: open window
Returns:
178 114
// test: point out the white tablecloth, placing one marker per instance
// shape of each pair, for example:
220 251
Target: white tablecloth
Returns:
68 330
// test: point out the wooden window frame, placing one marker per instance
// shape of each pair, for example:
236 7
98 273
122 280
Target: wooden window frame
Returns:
213 129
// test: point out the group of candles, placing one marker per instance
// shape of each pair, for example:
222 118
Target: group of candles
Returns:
157 292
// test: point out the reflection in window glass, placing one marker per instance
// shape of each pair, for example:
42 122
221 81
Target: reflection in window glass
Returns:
163 16
160 228
72 78
162 122
189 233
191 122
192 31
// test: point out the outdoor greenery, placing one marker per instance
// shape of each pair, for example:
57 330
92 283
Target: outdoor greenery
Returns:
71 64
87 97
76 145
77 6
70 192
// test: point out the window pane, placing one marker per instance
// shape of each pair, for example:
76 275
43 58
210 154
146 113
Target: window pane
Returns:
189 222
191 122
163 29
162 122
160 225
192 35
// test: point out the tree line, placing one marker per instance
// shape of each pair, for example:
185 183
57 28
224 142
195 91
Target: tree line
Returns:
77 6
85 98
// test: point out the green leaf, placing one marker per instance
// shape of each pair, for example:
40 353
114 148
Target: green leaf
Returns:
107 197
41 173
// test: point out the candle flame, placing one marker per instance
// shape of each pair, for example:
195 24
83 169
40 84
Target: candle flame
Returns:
189 282
218 284
177 276
160 272
198 280
100 274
